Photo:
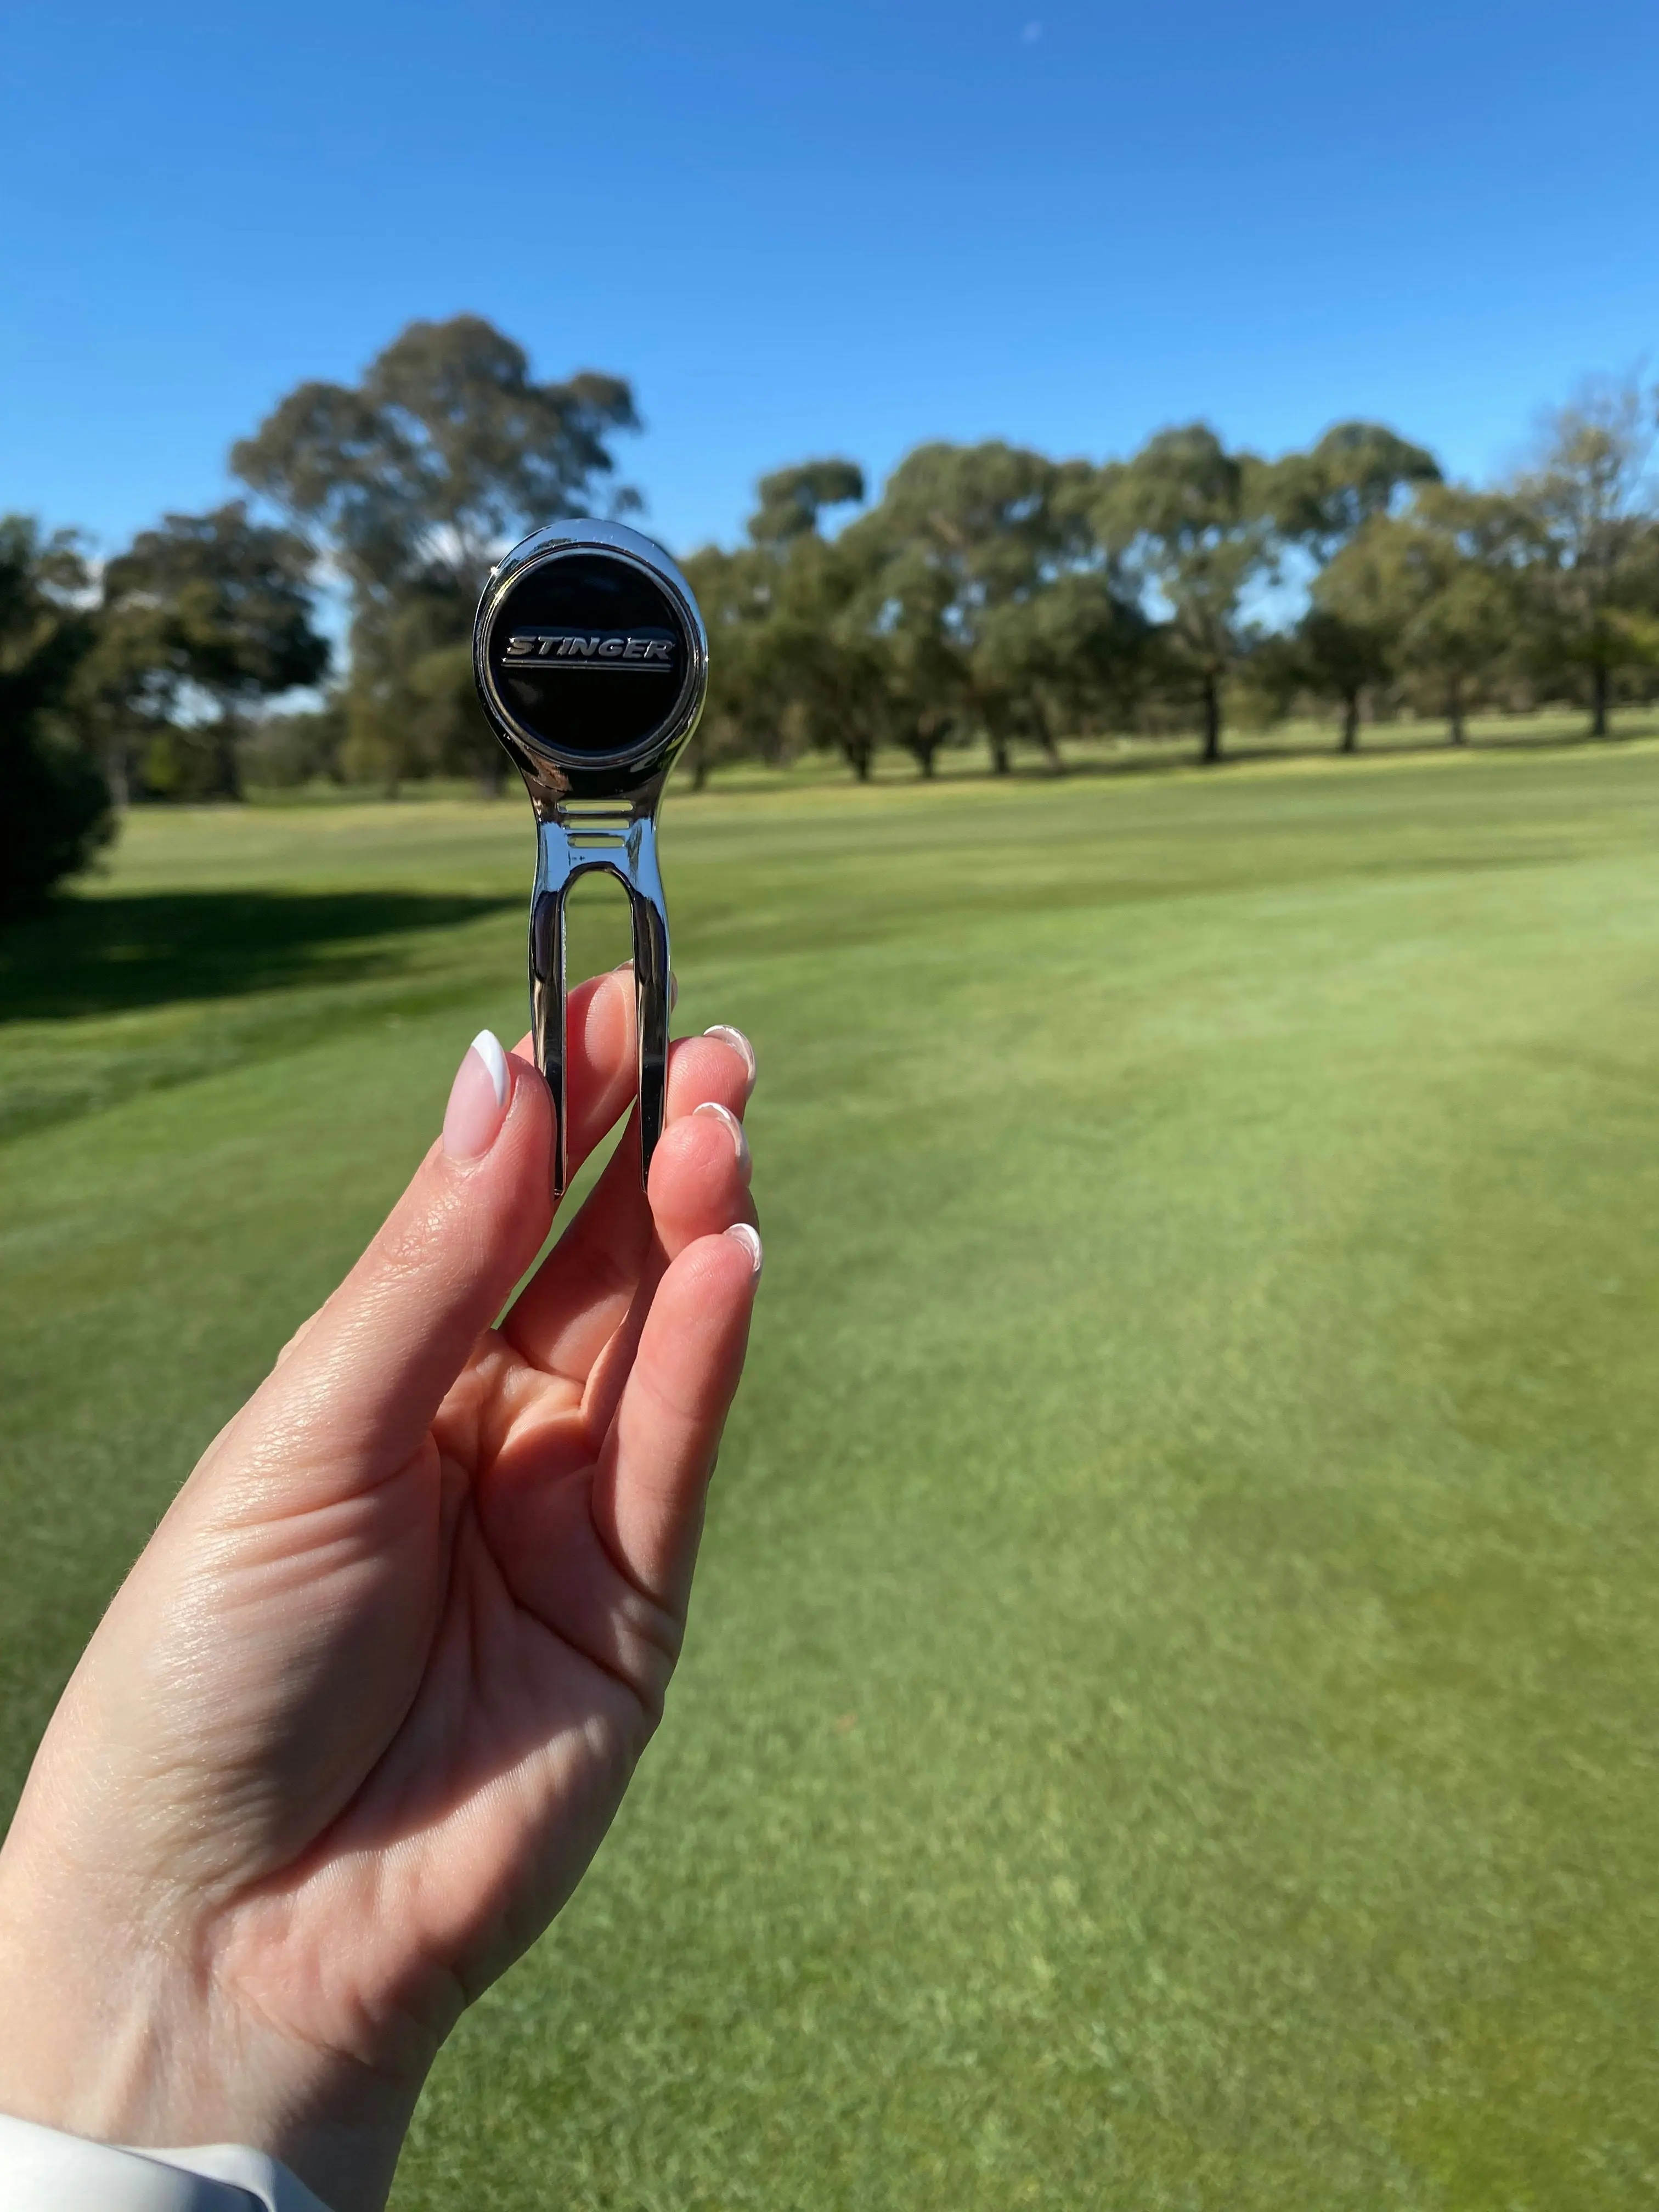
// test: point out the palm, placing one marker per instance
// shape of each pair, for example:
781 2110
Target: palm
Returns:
509 1729
469 1752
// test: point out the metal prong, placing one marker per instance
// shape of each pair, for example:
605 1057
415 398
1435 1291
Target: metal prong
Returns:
627 850
554 873
652 986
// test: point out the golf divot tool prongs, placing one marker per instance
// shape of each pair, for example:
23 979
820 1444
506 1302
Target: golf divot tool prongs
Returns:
592 664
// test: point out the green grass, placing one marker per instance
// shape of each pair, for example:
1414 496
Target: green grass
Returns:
1169 1717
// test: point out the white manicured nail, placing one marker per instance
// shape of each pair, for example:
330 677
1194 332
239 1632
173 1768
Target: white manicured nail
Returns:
487 1046
749 1239
739 1043
734 1129
477 1099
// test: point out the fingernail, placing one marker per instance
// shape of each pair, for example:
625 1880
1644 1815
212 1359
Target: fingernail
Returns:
734 1129
477 1099
750 1240
740 1043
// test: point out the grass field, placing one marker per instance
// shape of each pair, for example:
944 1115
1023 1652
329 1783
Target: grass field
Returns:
1171 1719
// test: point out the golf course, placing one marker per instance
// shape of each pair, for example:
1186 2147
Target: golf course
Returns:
1171 1718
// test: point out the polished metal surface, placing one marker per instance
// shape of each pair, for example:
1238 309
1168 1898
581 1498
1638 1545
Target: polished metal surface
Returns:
595 759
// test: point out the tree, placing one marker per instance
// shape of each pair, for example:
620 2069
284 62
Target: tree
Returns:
963 536
1439 592
1595 500
412 709
739 721
1321 500
780 676
1071 656
54 805
792 500
1186 520
208 611
821 674
1339 649
410 482
285 750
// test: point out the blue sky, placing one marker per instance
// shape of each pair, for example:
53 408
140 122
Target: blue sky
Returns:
809 230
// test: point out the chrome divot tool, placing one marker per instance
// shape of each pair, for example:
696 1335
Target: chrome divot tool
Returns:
591 663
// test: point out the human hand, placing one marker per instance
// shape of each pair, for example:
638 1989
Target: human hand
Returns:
354 1724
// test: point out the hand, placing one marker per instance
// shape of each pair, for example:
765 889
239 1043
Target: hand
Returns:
355 1723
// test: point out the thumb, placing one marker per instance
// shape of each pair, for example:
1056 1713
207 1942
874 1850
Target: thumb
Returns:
356 1395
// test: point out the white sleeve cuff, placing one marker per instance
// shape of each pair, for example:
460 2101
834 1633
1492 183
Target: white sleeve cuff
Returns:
42 2170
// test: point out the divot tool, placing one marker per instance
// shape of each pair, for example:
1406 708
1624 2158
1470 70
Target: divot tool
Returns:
592 664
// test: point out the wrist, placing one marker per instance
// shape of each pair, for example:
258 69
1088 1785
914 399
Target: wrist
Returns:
116 2036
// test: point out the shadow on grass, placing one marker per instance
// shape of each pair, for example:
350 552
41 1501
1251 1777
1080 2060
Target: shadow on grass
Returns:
108 956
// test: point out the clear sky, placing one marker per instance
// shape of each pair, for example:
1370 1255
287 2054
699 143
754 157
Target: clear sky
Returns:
804 229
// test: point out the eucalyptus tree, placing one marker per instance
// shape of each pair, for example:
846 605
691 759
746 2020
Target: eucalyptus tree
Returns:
1189 522
1320 499
794 501
1339 649
963 539
201 619
407 484
1319 502
1440 590
788 668
734 592
1072 657
1594 497
54 804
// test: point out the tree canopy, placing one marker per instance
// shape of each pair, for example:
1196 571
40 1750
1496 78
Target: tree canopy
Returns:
54 803
447 449
214 609
410 483
988 594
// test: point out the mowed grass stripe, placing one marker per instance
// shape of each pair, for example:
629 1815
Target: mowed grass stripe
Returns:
1168 1714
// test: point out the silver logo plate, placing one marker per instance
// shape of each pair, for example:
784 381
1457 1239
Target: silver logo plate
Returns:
637 652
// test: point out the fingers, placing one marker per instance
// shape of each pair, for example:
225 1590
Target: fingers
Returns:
700 1171
601 1058
607 1561
653 1476
354 1395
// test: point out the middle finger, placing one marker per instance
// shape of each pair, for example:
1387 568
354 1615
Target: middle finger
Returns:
581 1295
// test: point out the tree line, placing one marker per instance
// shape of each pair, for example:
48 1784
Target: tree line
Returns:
989 596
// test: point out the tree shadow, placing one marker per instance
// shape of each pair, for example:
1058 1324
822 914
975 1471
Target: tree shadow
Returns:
108 956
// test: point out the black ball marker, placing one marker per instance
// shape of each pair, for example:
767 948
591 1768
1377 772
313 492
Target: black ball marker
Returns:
592 664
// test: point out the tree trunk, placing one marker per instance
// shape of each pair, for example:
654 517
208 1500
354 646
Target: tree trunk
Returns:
1598 701
1051 751
700 768
1350 723
227 768
860 757
925 759
1212 722
492 775
1456 730
1000 756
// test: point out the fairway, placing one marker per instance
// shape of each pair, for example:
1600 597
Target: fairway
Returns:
1169 1719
